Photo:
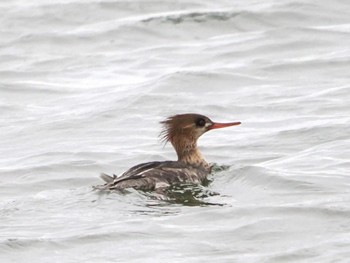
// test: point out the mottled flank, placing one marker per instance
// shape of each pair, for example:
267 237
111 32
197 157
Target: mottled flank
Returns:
155 175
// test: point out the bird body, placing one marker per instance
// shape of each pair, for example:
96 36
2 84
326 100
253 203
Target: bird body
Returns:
155 175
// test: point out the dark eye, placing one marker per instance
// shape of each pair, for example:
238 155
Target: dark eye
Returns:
200 122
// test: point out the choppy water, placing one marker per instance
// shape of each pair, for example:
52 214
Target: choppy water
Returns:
83 85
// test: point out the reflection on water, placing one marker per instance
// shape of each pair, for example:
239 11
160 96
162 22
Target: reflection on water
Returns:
180 194
189 195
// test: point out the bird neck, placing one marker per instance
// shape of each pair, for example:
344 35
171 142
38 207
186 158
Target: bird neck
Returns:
188 152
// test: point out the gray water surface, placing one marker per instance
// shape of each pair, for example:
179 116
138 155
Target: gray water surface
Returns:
84 84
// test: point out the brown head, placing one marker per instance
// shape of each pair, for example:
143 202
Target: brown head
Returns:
183 131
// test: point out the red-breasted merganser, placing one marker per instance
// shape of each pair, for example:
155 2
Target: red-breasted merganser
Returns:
182 131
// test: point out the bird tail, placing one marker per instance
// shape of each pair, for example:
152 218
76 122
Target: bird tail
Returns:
107 178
